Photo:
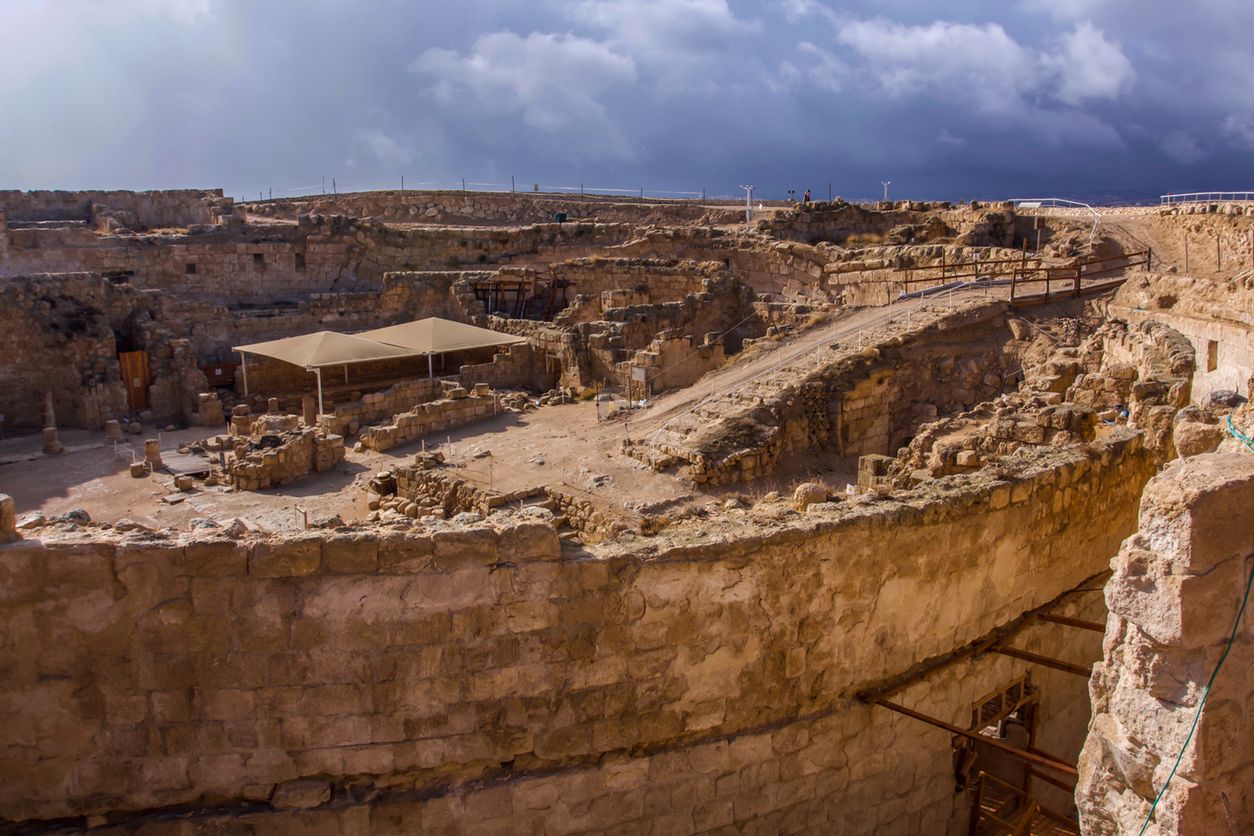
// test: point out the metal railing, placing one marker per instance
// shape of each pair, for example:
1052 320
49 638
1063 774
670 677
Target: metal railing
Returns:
1059 202
1206 197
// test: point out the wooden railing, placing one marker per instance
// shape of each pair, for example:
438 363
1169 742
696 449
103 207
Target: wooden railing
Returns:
993 796
1072 276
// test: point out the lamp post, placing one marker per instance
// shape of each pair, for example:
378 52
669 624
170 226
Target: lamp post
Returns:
748 205
886 184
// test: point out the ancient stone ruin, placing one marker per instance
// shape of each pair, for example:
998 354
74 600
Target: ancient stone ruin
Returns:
903 518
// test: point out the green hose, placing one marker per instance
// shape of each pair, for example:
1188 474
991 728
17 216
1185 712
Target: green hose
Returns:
1232 638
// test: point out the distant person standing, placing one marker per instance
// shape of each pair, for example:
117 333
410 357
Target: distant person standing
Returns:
805 198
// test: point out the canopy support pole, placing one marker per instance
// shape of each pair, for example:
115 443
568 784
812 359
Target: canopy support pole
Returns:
243 364
318 372
346 374
430 368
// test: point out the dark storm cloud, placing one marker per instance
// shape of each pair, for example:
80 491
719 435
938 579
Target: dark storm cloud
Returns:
952 100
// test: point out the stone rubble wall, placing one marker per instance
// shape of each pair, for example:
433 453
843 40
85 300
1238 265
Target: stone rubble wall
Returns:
660 280
170 208
674 362
494 208
269 262
302 452
1177 586
855 401
1216 316
457 409
57 336
1146 369
904 222
146 671
378 405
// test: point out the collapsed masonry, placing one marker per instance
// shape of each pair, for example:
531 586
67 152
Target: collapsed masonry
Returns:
658 567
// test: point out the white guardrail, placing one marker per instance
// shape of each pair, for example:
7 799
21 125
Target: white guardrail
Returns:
1206 197
1063 203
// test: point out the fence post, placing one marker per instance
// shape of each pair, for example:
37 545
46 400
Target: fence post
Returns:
1079 271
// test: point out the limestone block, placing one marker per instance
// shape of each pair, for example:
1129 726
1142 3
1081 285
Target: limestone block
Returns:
113 431
808 493
216 558
138 470
8 518
52 443
152 452
285 558
301 794
348 554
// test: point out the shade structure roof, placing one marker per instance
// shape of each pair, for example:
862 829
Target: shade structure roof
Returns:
326 348
436 336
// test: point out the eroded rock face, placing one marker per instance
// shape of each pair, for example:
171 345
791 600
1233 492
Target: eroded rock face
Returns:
1174 597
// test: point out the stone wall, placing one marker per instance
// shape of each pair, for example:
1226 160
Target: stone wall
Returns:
1174 598
495 208
457 408
1216 315
848 400
903 222
56 336
300 451
373 407
659 280
145 671
268 262
138 210
673 362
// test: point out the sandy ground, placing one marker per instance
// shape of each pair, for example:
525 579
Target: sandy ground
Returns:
563 446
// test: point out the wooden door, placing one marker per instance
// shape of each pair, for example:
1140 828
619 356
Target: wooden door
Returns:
135 376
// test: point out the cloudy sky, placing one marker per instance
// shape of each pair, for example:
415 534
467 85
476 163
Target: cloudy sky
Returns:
957 99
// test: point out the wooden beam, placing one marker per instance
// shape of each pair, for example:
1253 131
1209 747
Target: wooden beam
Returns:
1037 659
1030 757
1050 779
1075 622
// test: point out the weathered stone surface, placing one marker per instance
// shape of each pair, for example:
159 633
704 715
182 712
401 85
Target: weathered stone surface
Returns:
301 795
1177 587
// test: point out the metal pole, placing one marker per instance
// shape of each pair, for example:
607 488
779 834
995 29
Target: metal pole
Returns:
243 364
430 369
511 184
1021 754
333 189
318 372
402 182
463 184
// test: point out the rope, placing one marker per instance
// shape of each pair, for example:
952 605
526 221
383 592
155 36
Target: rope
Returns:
1188 738
1240 436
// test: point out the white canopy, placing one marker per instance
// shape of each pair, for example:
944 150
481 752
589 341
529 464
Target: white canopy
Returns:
325 348
437 336
313 352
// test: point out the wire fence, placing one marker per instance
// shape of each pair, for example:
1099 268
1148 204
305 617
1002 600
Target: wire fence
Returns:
332 186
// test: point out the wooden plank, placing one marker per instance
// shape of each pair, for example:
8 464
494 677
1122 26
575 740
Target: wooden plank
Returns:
184 464
134 366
